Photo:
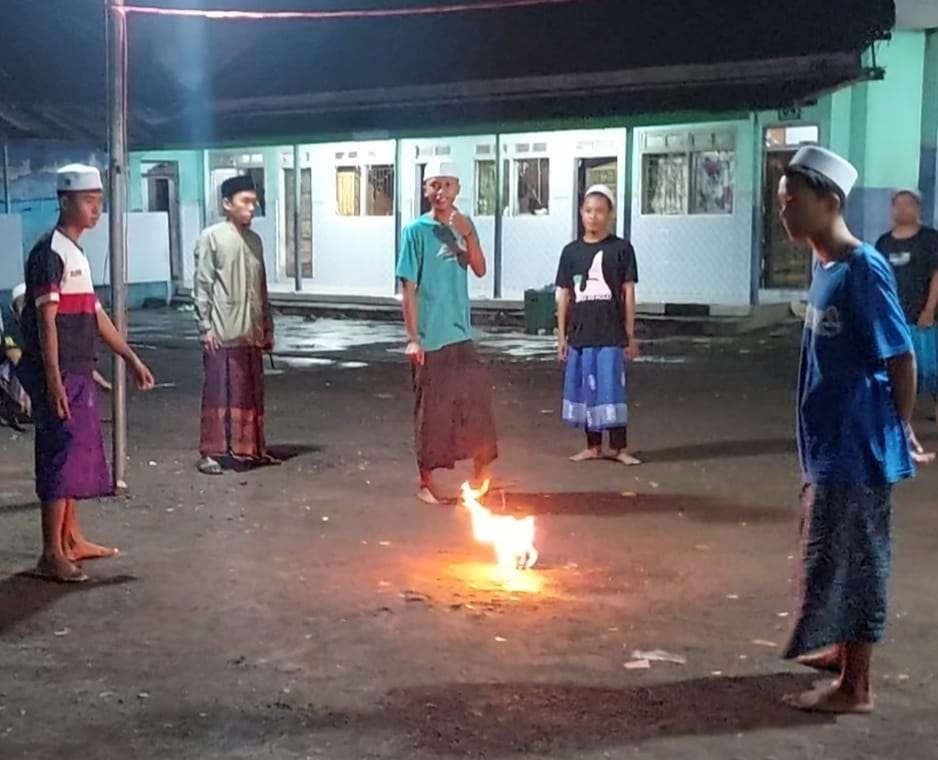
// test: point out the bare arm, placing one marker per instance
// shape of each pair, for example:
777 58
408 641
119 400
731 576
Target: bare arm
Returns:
115 341
628 294
49 347
562 296
476 254
409 305
927 317
902 378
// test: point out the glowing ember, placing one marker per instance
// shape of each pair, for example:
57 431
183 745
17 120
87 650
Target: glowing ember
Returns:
512 539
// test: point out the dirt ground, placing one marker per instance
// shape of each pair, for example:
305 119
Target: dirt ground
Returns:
317 610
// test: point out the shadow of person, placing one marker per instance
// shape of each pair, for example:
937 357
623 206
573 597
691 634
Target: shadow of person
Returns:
513 718
756 447
24 595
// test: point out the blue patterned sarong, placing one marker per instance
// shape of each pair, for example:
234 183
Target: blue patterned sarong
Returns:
594 394
846 555
925 343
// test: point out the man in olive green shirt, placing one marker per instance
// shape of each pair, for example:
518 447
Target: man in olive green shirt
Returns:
236 328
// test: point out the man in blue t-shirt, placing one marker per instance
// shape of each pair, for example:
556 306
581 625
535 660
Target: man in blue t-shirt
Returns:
856 393
453 415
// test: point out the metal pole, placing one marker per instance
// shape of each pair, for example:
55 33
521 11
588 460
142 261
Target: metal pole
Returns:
117 221
7 200
499 210
297 225
398 220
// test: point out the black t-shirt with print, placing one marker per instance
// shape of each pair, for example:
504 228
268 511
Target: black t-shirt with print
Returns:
594 273
914 261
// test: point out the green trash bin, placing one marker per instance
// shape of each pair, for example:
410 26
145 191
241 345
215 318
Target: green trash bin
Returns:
540 311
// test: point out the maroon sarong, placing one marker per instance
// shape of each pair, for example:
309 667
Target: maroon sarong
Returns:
233 403
453 415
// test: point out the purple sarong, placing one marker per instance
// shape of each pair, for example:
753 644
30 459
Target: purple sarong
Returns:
70 461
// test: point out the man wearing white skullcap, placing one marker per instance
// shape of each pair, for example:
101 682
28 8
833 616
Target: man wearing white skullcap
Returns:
855 400
453 416
62 319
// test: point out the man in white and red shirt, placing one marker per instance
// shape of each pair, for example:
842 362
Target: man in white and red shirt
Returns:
62 319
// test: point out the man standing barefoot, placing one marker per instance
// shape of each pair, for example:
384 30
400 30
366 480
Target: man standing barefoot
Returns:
855 401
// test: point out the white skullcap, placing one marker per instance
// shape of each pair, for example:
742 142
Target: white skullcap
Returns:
19 291
437 167
603 190
75 178
828 164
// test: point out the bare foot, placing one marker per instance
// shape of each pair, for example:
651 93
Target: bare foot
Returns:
623 457
82 549
427 496
587 455
830 660
833 698
59 569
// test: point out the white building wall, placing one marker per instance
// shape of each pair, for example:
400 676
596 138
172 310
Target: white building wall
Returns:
463 152
147 249
11 251
705 259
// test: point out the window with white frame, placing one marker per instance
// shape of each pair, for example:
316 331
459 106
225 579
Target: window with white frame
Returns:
689 173
364 190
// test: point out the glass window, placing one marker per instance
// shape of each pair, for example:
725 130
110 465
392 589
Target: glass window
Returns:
485 186
380 198
348 190
533 185
713 182
665 184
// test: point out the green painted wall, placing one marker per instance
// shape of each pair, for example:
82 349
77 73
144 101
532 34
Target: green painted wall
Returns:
886 133
191 169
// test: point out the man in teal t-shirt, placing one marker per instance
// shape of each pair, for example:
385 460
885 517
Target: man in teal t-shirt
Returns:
453 414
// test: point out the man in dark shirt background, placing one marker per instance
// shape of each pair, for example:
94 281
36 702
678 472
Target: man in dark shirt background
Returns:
912 250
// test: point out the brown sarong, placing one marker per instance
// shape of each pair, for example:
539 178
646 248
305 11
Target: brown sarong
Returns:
453 415
233 403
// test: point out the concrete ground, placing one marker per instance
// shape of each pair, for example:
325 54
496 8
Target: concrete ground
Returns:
317 610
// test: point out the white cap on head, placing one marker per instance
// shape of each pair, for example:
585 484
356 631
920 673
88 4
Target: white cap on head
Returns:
437 167
827 163
603 190
76 178
18 292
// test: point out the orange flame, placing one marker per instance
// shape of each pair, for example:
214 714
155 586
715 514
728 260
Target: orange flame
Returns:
512 538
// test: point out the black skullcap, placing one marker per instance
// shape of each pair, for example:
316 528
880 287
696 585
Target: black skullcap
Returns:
234 185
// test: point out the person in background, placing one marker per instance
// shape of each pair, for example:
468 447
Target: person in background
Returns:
454 418
15 406
596 329
856 394
61 323
912 250
236 328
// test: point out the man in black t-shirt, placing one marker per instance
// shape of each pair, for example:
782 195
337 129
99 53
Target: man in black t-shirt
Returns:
596 328
912 250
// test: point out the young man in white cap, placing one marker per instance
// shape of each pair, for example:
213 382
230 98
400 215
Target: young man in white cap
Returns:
14 400
236 327
855 400
912 249
453 415
596 329
62 320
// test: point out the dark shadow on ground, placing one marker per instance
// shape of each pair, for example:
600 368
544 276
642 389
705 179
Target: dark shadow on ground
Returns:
757 447
488 720
24 595
614 504
284 452
483 720
12 509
